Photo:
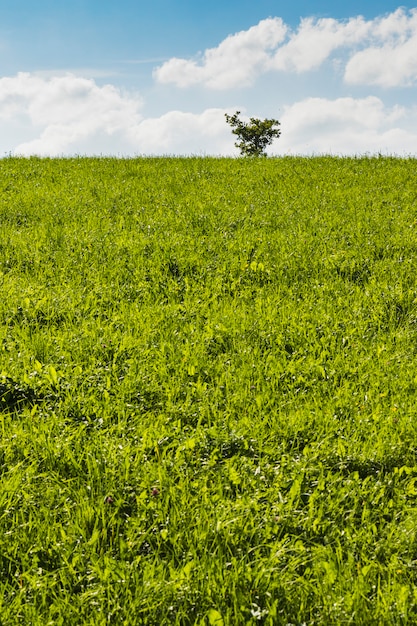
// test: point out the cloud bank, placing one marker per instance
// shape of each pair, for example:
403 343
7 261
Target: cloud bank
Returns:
382 51
73 115
235 62
348 126
65 111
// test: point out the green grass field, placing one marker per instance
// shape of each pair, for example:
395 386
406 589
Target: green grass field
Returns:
208 391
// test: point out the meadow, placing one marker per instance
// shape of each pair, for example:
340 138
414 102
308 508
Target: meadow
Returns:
208 391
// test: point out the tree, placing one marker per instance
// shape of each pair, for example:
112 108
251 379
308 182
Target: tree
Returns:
253 136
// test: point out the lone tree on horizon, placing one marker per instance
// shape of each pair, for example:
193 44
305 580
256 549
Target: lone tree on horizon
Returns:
255 135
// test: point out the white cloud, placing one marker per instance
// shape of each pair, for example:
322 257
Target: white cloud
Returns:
65 111
348 126
73 115
312 126
343 126
235 62
394 62
388 66
177 132
381 51
397 25
315 40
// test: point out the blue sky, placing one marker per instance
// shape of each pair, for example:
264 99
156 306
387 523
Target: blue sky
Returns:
130 78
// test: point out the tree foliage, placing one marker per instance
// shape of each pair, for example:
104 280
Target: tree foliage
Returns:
255 135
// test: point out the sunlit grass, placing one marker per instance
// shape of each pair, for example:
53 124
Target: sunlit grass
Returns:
208 391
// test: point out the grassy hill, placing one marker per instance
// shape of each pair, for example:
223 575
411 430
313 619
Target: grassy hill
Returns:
208 391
